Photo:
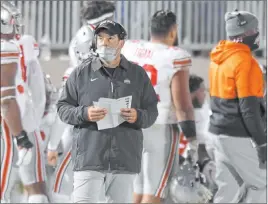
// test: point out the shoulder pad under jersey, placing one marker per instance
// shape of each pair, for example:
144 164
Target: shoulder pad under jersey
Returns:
10 52
30 47
181 59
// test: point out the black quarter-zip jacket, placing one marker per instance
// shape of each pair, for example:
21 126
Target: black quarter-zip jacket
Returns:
119 149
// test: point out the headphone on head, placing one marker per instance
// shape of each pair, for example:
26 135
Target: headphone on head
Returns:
122 35
240 19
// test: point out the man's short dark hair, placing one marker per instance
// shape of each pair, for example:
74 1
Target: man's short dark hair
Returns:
195 82
161 23
94 9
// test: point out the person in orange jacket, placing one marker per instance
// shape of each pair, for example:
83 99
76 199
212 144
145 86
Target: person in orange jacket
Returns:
237 105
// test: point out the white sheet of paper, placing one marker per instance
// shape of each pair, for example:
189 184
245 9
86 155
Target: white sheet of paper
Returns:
113 106
124 102
95 103
107 100
107 121
128 101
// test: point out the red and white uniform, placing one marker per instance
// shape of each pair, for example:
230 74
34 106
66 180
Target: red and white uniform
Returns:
30 96
161 62
10 53
33 82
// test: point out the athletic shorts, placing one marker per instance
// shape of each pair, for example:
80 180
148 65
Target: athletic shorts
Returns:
10 172
159 160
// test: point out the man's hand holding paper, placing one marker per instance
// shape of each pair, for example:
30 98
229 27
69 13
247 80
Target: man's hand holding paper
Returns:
96 113
129 114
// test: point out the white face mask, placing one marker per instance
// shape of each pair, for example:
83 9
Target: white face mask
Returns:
108 54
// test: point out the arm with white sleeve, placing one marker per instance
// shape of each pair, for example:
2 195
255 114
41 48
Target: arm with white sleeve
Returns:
36 82
37 86
10 110
56 134
9 67
182 98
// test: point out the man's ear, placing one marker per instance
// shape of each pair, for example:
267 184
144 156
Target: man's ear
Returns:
173 32
121 43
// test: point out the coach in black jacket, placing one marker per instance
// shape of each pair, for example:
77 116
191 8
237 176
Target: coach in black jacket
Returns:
97 154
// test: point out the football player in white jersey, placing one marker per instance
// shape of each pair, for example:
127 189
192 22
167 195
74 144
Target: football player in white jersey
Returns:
19 105
11 120
201 108
36 91
92 13
185 188
168 67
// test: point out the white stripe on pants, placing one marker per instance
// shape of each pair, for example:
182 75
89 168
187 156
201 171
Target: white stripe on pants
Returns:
237 170
93 187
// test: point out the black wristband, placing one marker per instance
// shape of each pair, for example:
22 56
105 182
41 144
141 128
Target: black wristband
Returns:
21 138
188 128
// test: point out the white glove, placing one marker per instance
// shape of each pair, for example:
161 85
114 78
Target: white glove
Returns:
24 147
195 193
193 145
209 171
25 157
201 194
192 152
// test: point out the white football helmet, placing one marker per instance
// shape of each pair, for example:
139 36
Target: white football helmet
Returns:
11 19
188 185
83 43
208 169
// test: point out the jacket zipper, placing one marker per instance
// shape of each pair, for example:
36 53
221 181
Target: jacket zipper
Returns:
112 90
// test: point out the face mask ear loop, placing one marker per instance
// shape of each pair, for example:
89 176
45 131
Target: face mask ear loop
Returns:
117 50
